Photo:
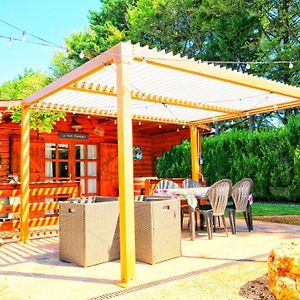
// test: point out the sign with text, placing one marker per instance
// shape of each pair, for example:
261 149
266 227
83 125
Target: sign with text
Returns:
73 135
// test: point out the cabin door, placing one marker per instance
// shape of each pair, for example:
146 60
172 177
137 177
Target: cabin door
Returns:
109 183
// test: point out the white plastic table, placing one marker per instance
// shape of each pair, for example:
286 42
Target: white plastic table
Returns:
189 194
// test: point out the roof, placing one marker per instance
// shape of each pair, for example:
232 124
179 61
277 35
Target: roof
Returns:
9 103
164 88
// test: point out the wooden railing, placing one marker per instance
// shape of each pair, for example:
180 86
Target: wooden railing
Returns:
44 196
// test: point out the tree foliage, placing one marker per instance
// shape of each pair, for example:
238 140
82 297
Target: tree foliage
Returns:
41 120
222 30
23 86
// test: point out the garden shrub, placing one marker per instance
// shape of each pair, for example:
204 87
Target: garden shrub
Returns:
271 157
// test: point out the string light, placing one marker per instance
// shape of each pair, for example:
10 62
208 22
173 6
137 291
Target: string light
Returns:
159 126
81 54
24 37
24 33
28 42
140 123
47 43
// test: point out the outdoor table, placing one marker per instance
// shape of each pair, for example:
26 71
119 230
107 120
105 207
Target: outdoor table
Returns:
189 194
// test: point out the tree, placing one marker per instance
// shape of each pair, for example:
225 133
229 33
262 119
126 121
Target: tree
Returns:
107 28
280 21
23 86
61 65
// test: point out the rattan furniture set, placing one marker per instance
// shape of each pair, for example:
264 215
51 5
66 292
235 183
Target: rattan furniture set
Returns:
89 228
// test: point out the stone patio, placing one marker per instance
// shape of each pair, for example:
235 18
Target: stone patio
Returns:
33 270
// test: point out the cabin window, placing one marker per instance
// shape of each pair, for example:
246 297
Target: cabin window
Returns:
57 161
86 167
72 162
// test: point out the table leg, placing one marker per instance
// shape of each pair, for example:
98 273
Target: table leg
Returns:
192 223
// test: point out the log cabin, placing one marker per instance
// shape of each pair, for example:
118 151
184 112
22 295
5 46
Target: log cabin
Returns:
84 148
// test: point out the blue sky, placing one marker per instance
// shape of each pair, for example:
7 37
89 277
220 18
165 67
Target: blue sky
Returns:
51 19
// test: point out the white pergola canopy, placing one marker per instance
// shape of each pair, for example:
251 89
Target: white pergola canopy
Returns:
164 88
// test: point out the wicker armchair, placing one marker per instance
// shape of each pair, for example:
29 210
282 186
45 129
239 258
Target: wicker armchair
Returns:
240 195
217 195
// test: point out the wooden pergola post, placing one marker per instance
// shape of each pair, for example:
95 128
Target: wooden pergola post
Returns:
125 165
24 178
200 135
194 152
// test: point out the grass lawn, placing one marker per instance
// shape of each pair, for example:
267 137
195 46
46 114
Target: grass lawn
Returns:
275 212
224 283
274 209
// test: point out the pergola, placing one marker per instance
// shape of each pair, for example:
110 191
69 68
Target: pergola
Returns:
131 82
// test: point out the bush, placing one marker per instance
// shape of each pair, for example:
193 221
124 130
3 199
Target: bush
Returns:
270 157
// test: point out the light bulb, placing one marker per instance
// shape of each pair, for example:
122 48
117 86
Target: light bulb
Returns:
291 66
140 123
24 37
248 67
115 122
183 126
81 54
159 126
66 53
178 129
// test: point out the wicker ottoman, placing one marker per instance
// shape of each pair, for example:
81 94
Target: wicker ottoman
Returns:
157 230
89 233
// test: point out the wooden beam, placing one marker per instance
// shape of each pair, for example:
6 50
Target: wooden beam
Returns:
180 102
24 178
148 97
247 113
98 90
104 113
79 73
9 103
125 166
194 153
200 134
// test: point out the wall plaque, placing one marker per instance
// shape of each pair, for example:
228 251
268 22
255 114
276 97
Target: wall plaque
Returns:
73 135
137 152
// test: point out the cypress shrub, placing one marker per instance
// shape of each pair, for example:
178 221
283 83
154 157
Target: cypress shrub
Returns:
271 157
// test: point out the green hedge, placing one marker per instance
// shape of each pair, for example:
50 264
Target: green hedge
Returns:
270 157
